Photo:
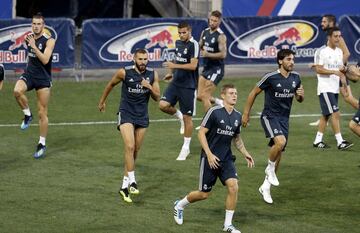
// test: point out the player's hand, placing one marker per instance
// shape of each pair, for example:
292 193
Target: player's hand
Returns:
145 84
168 64
168 77
311 65
203 53
250 161
31 41
245 119
101 107
213 161
300 92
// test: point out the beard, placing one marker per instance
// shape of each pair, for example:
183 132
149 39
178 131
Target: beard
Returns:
140 67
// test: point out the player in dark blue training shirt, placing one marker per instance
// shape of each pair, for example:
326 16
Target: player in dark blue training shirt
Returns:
213 50
37 76
280 88
219 127
139 83
182 88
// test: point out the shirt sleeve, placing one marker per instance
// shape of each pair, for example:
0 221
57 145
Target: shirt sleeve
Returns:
208 119
195 49
319 57
264 82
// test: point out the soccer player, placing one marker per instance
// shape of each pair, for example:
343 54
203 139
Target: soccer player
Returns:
329 68
329 21
182 88
139 83
2 75
220 126
37 76
213 50
280 88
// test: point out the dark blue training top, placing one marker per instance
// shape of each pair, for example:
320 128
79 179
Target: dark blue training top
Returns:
135 97
183 53
34 67
279 92
223 127
211 45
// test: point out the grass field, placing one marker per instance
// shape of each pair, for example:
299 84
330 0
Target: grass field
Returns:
74 189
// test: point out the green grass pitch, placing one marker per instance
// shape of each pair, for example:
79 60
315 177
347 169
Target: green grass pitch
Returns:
75 188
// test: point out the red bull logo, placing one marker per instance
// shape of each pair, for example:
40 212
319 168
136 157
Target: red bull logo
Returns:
290 35
163 38
18 41
159 39
264 41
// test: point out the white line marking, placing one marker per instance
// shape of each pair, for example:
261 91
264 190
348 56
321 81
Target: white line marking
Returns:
154 120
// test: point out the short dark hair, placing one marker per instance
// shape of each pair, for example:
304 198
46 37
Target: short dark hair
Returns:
226 86
216 13
142 51
330 18
330 31
184 24
39 16
282 54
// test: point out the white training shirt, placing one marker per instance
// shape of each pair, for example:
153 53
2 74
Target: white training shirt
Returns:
330 59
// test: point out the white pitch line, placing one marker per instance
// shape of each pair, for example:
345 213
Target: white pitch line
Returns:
154 120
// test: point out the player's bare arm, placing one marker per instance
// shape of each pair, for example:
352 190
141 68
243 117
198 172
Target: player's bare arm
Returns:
222 49
239 144
321 70
154 88
344 49
116 79
249 103
43 57
212 159
299 94
189 66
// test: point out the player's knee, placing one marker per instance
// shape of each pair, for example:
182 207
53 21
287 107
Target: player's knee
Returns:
17 93
280 143
130 148
204 195
163 105
233 187
352 125
42 113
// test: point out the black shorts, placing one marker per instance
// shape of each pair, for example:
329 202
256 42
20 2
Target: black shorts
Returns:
124 117
36 84
208 176
275 126
2 72
214 74
185 96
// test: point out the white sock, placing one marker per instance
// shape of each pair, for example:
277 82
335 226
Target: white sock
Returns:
183 203
27 112
131 177
319 137
186 143
42 140
271 163
228 217
266 184
125 183
178 114
219 101
339 138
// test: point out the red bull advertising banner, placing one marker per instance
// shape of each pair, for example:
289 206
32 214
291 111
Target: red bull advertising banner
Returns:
250 40
13 49
112 42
